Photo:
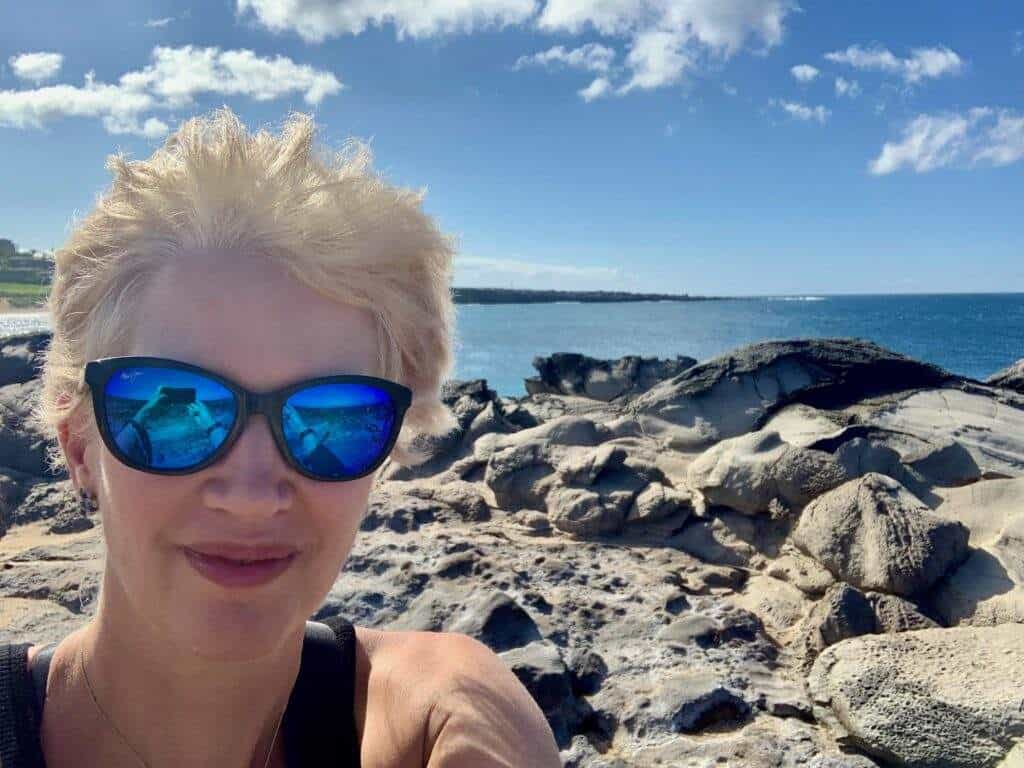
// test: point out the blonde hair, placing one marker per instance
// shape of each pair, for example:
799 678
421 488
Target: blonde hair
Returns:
330 220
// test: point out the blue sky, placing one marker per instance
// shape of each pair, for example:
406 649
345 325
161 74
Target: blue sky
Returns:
725 147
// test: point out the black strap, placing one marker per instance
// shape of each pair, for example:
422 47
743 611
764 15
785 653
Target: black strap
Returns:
19 725
40 672
315 731
318 728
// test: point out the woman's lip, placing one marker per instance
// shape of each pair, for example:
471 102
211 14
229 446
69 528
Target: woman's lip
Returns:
231 573
242 551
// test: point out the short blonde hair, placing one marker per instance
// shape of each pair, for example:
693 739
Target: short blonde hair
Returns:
330 220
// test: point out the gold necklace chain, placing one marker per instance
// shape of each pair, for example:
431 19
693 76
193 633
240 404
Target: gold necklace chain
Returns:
110 720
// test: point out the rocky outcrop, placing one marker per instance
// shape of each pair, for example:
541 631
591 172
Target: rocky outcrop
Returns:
567 373
874 534
1010 377
733 394
937 697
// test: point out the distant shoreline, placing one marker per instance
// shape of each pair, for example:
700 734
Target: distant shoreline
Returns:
528 296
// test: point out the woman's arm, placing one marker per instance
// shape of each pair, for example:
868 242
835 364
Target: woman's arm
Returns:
485 717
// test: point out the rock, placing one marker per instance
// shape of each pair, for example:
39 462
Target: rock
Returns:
22 446
658 502
583 468
804 573
693 701
540 669
991 431
44 501
988 588
733 394
842 761
496 620
1010 377
843 612
588 672
461 496
746 473
21 356
780 606
402 513
894 614
935 697
575 374
520 476
584 513
874 534
944 462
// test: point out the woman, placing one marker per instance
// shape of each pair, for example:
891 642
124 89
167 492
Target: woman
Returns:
243 331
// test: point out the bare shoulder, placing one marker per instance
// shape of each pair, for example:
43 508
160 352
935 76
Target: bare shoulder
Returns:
470 709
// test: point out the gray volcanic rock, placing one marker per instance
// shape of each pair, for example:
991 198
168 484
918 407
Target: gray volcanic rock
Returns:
22 446
895 614
843 612
733 394
874 534
539 667
21 356
936 697
1010 377
568 373
746 473
988 587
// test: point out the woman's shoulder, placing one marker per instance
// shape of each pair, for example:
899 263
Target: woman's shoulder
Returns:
463 705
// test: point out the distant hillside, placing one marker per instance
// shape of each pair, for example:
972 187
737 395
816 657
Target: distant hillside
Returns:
523 296
24 276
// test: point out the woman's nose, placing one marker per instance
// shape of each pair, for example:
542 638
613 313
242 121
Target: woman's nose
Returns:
252 477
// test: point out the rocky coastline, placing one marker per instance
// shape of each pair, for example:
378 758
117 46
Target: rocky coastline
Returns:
799 553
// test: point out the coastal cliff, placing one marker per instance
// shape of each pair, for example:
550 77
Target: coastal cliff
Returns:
799 553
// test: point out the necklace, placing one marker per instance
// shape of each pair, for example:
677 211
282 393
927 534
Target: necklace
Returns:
110 721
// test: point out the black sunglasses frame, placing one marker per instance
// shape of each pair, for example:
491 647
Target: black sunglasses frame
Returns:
270 404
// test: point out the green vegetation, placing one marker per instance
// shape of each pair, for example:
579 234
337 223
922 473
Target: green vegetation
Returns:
24 277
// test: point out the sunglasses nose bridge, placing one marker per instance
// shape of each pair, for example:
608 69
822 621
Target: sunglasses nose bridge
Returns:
260 403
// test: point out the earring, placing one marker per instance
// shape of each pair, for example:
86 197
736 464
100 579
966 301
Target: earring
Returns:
87 503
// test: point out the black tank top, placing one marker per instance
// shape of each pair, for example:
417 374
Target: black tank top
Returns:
319 726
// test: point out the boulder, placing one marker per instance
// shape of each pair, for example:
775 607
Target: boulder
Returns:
842 613
540 669
658 502
585 513
895 614
990 430
733 394
874 534
22 446
1010 377
568 373
521 476
988 588
21 356
746 473
935 697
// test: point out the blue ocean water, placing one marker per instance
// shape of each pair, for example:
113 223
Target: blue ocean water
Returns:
969 334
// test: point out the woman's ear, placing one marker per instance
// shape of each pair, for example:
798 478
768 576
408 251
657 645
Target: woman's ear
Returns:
73 443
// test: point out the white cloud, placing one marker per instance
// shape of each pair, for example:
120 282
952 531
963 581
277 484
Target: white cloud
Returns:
316 20
36 66
922 62
846 87
160 22
593 57
805 73
656 59
172 80
178 74
1018 42
803 112
598 88
730 90
982 135
670 129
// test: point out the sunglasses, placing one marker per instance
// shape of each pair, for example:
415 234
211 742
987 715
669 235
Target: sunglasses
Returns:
173 418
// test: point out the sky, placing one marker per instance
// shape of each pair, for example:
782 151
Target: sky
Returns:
708 147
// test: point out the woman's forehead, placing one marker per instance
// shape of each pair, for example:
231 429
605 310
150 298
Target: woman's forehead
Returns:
249 319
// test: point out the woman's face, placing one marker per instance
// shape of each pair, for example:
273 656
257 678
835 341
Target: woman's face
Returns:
247 319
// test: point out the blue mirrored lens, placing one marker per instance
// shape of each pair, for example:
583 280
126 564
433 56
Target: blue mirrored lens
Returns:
338 430
166 418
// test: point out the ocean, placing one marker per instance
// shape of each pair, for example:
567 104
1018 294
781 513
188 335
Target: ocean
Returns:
970 334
